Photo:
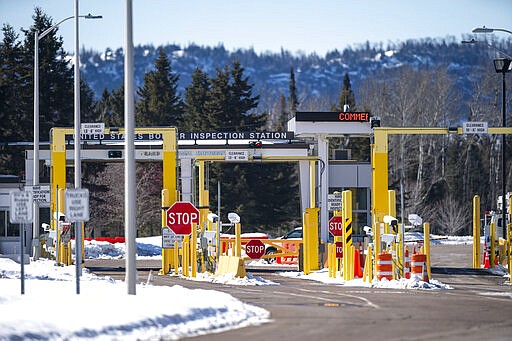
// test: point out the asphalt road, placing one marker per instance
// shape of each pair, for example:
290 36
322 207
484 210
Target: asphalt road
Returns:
478 307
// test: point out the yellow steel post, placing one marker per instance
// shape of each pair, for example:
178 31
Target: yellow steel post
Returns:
238 241
331 256
185 248
203 195
61 208
392 203
312 184
426 243
169 150
193 250
379 174
166 253
368 265
476 232
376 237
311 231
176 257
492 236
348 256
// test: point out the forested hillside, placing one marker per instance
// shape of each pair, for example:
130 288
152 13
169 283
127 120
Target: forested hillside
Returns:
427 83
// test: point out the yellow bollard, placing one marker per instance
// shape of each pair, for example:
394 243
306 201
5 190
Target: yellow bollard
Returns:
166 253
176 257
492 236
376 236
426 242
330 260
184 256
476 232
193 251
348 255
238 242
368 265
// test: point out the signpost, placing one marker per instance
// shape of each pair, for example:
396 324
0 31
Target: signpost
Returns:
255 249
21 212
180 217
336 226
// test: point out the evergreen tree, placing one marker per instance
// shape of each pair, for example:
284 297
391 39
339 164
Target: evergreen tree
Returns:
294 101
196 97
160 104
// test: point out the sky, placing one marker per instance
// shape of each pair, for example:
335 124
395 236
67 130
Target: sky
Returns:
264 25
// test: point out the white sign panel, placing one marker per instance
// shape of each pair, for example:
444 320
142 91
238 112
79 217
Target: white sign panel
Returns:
77 204
169 237
40 194
237 155
474 128
21 211
92 128
190 154
333 202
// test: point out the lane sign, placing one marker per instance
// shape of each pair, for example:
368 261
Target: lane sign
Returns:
255 249
77 204
169 237
21 211
180 217
336 226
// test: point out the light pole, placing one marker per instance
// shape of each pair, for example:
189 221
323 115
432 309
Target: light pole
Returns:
502 65
484 29
35 180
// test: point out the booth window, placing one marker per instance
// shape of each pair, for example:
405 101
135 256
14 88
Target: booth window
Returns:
6 228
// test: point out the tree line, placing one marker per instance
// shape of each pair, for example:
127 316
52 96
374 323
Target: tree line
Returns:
439 174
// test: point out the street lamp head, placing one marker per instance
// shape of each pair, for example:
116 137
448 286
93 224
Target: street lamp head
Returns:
90 16
472 41
483 30
502 65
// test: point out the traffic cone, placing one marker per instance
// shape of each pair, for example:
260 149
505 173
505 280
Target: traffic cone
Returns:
424 277
151 278
358 272
487 262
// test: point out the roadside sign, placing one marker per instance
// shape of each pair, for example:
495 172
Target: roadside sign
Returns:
65 232
169 237
237 155
180 217
339 249
336 226
77 204
334 202
474 128
40 194
21 211
255 248
92 128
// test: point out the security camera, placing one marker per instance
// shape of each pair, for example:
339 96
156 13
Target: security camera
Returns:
389 219
368 230
233 218
415 219
213 217
45 226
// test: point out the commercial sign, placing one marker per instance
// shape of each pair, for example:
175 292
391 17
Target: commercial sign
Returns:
474 128
302 116
242 135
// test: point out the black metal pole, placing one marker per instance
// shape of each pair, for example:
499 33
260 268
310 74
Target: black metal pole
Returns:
503 162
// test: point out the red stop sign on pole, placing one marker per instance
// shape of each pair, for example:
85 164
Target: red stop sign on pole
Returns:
336 226
180 217
255 248
339 249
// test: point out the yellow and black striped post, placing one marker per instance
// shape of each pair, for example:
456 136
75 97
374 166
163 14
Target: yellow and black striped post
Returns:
348 255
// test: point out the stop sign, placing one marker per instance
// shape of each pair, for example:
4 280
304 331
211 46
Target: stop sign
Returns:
255 248
180 217
336 226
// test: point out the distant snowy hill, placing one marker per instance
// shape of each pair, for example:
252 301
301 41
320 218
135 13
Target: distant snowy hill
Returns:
316 76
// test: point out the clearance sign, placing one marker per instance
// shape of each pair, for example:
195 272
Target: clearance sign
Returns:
332 116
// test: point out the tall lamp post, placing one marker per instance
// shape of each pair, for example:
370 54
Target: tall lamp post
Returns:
35 180
502 65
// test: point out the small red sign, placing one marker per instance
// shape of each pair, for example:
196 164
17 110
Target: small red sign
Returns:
255 248
339 249
180 217
336 226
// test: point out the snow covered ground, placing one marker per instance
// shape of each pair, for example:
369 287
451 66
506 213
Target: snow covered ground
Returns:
104 310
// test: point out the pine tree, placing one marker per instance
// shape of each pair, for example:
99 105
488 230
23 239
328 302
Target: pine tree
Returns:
160 104
294 101
196 97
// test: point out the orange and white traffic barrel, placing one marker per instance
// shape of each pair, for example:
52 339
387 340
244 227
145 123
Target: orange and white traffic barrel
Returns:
384 266
418 262
407 264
